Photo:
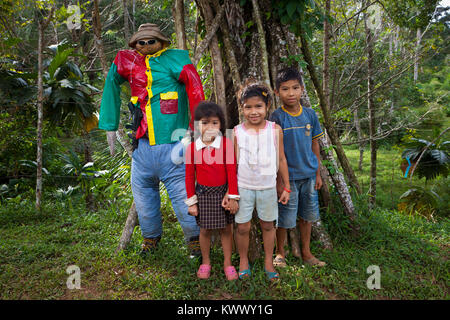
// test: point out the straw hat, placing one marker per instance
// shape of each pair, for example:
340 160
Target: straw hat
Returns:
148 30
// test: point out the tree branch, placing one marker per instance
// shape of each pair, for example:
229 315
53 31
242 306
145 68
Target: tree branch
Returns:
385 134
351 17
205 42
262 41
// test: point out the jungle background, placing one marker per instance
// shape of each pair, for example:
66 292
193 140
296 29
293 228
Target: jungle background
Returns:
376 73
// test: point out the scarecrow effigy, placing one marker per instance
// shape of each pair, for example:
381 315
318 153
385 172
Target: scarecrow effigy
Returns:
165 86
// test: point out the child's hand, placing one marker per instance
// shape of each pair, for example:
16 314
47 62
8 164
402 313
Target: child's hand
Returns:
193 210
233 206
284 198
279 188
225 201
318 182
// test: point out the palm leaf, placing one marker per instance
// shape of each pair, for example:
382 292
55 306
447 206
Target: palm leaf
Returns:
59 59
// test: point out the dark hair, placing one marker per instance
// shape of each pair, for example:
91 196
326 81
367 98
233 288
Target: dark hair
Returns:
255 90
287 74
207 109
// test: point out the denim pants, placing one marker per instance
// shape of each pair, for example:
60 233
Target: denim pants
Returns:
303 202
149 166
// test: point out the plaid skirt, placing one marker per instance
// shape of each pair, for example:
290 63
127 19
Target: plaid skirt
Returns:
211 214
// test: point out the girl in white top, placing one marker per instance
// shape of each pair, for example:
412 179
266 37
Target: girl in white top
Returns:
258 154
260 157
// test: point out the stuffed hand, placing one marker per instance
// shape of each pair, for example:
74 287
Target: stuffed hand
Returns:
111 137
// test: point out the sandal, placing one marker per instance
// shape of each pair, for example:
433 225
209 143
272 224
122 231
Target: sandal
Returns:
272 276
204 271
314 262
230 273
246 273
279 261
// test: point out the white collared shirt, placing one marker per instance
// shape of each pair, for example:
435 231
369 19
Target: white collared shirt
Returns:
200 145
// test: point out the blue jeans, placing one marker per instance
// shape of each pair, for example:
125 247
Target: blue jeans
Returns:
149 166
303 202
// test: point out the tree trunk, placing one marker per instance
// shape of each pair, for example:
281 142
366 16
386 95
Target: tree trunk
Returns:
212 29
324 191
230 58
417 53
370 39
328 121
338 181
262 43
97 27
361 144
127 232
319 233
360 136
391 36
42 25
180 33
396 39
325 196
40 112
126 26
326 53
89 197
134 16
216 57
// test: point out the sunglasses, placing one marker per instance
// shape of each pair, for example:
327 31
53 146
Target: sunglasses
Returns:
143 43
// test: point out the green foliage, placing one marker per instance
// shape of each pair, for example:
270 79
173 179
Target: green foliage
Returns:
113 187
295 60
435 86
15 87
18 149
68 99
435 160
84 172
411 13
299 15
419 201
441 187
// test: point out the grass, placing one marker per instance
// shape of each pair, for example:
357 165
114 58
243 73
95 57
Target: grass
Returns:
390 181
37 247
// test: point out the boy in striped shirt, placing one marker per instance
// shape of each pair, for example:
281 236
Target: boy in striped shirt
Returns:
301 131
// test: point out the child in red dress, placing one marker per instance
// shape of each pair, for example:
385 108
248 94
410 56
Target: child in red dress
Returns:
211 162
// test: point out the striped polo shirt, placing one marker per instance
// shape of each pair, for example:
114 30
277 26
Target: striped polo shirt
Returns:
299 130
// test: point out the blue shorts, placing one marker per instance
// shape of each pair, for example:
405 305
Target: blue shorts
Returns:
303 203
265 202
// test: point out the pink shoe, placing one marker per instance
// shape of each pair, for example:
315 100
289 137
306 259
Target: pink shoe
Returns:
204 271
230 273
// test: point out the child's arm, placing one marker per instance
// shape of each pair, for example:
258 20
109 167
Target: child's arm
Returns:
316 150
283 171
190 182
230 200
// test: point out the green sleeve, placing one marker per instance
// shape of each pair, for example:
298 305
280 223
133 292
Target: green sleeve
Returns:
110 106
